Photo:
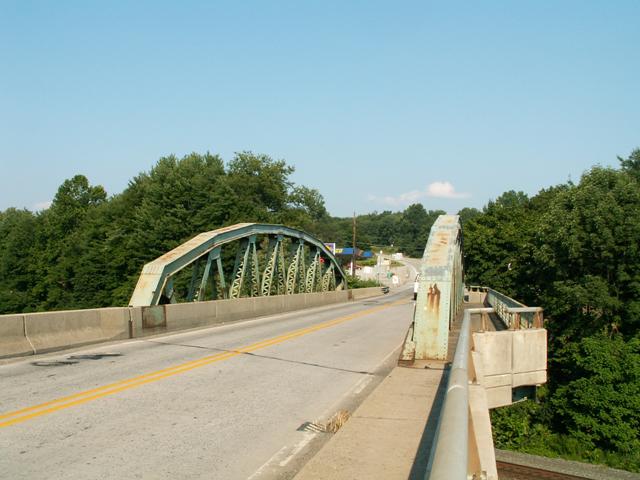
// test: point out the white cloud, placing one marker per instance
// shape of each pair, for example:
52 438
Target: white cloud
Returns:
433 190
42 205
444 190
406 198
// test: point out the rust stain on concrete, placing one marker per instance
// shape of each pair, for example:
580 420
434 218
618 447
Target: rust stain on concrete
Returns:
433 300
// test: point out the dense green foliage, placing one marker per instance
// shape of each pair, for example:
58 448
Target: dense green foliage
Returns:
405 231
355 282
575 250
87 250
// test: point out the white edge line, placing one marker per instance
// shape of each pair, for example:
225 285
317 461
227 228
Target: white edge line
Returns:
299 446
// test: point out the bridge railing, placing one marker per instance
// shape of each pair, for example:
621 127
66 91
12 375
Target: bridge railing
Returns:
487 369
451 458
514 315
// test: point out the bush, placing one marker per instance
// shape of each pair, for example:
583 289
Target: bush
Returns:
355 282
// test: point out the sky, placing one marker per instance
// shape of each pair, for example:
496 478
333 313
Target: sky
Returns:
376 104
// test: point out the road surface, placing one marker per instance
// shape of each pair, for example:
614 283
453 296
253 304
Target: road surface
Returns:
220 403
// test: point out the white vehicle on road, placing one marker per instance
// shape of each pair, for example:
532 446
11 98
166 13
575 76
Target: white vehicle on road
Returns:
416 285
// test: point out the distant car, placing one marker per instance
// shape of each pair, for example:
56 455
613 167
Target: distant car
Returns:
416 285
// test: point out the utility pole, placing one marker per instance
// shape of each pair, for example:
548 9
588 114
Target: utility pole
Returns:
353 256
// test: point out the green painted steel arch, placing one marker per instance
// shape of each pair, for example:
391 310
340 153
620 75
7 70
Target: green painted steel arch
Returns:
281 273
440 290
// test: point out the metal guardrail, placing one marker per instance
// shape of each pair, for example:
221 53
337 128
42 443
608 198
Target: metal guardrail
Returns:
450 457
514 315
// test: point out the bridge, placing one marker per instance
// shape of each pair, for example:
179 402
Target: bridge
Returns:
242 349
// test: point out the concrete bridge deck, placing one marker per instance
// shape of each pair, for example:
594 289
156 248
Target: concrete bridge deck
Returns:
391 433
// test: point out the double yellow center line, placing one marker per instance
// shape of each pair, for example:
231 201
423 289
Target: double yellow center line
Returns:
52 406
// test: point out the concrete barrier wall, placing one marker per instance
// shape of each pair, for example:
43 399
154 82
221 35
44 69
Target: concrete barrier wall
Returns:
336 297
509 359
31 333
13 341
268 305
361 293
147 321
476 296
49 331
189 315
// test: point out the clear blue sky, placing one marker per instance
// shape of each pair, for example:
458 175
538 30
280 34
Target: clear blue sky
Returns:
377 104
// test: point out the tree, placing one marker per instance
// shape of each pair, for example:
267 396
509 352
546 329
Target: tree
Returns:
631 165
260 187
467 214
57 255
414 227
598 402
588 255
574 250
88 251
17 275
496 242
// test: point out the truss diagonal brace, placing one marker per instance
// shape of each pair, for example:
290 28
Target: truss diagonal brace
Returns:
240 267
294 268
310 281
272 265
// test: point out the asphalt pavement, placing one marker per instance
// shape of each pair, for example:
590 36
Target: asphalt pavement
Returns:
228 402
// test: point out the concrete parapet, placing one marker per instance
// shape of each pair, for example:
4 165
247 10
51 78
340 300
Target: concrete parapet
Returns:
26 334
335 297
295 302
527 357
13 341
482 456
180 316
509 359
269 305
236 309
50 331
496 351
314 300
362 293
475 294
135 322
325 298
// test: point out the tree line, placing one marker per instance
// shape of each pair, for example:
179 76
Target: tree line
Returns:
573 249
87 249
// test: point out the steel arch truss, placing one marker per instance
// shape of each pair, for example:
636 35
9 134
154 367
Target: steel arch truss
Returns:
226 263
